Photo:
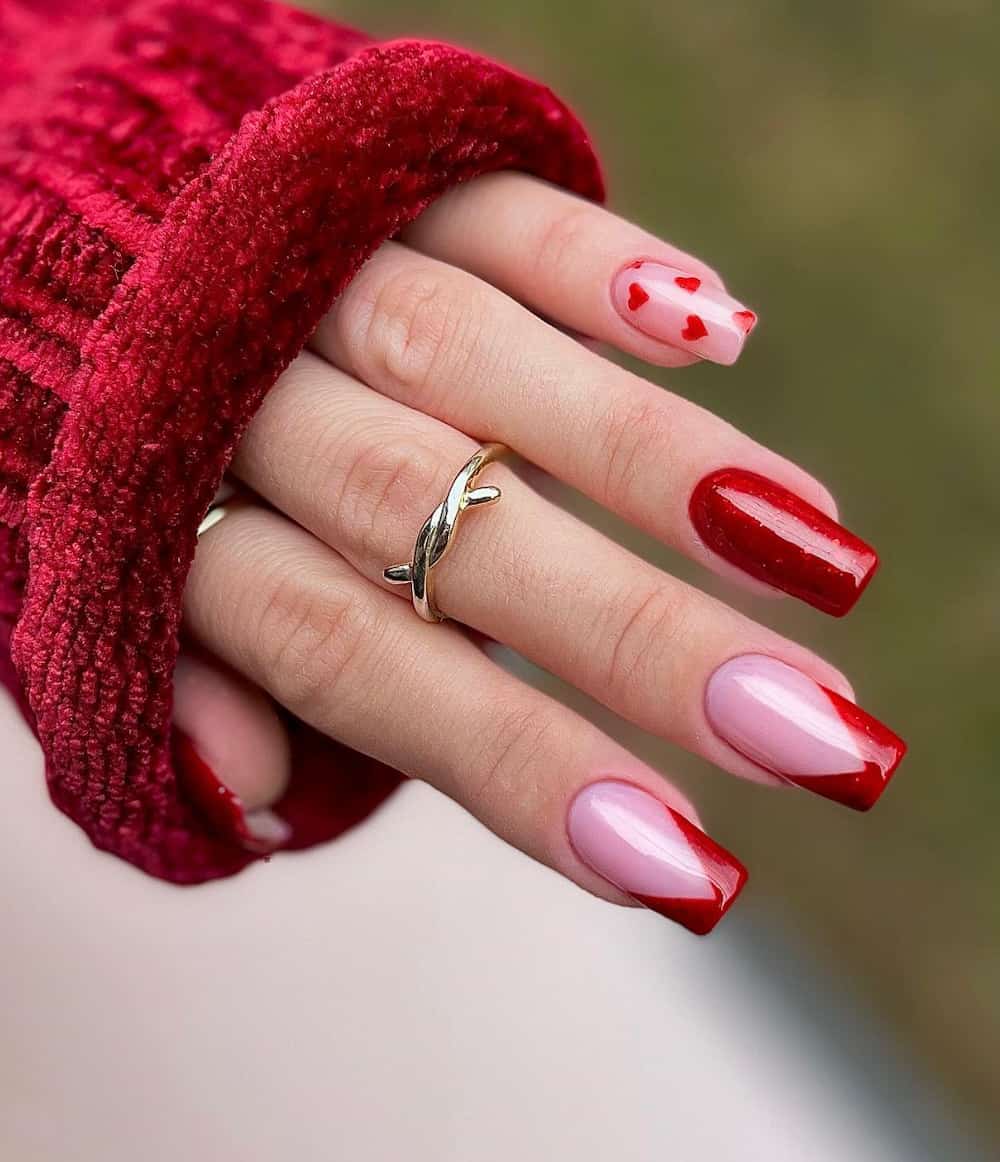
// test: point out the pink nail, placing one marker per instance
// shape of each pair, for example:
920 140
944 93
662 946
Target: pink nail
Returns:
803 732
678 308
653 853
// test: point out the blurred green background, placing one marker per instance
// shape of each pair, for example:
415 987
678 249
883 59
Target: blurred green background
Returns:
839 164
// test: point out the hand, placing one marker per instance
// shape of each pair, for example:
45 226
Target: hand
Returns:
438 340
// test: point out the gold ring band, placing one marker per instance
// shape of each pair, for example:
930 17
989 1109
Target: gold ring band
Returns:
438 532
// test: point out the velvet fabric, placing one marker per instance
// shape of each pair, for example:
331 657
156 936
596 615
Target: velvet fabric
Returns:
185 187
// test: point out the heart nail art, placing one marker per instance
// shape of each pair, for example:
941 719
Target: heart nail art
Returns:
682 310
636 297
694 330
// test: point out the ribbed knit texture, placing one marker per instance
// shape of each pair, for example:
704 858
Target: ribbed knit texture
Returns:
184 189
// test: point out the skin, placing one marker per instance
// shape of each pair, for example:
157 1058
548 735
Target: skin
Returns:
440 335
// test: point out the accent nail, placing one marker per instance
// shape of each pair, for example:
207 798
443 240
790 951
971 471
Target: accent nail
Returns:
662 860
678 308
781 539
259 831
790 725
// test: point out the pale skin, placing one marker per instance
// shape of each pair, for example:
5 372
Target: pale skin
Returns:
457 334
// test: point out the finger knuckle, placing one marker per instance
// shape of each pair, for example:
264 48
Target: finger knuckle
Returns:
561 240
386 485
649 628
414 322
310 633
636 437
513 747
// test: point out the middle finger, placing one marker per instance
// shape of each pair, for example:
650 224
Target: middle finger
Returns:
441 340
362 472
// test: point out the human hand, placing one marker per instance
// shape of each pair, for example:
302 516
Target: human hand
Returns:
439 343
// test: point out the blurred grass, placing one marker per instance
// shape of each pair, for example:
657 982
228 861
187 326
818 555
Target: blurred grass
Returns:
840 165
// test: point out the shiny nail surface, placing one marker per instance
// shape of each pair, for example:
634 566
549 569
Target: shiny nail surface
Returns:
260 831
790 725
662 860
676 307
779 538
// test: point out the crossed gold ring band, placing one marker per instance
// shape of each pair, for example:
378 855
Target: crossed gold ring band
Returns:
437 535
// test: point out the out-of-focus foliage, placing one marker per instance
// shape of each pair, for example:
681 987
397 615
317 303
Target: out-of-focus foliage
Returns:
840 164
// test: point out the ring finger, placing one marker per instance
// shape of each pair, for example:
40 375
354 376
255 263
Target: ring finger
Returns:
362 472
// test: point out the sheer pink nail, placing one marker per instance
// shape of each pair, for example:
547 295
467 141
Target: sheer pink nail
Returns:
662 860
676 307
790 725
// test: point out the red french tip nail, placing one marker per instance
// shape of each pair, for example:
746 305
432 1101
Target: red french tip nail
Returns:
793 726
701 916
652 852
222 807
881 752
779 538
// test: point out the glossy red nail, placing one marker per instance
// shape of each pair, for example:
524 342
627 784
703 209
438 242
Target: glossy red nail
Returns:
807 734
777 537
258 831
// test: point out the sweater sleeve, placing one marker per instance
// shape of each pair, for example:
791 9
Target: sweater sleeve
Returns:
184 191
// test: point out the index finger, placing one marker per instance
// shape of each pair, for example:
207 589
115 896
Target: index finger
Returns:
586 269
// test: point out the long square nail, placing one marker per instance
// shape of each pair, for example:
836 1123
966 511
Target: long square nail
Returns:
777 537
807 734
662 860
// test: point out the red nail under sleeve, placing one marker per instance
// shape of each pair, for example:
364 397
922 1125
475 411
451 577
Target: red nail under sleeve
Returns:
183 193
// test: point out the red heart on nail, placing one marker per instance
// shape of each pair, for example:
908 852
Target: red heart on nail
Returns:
636 296
689 284
695 329
745 319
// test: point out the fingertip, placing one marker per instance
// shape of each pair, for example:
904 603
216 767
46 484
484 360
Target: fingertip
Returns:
231 752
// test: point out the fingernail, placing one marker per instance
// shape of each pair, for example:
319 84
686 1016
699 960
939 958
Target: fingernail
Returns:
777 537
678 308
797 729
259 831
662 860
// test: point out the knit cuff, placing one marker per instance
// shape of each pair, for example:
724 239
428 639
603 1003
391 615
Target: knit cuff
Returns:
151 291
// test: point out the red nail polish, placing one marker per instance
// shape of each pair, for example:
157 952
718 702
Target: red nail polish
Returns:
881 752
222 807
775 536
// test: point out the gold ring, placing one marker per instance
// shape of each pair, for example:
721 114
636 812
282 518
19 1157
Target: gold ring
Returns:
438 532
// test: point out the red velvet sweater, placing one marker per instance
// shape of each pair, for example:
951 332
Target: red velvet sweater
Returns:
184 189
